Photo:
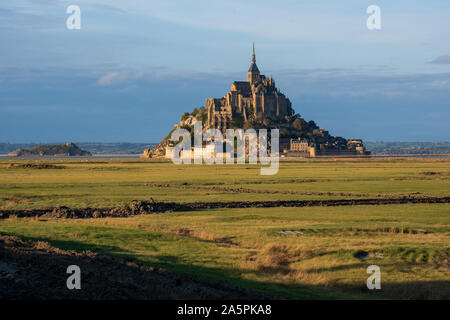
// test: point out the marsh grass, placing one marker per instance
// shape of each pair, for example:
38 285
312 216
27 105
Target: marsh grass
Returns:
246 246
247 252
112 182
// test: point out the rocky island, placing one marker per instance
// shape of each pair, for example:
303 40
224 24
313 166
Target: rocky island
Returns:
67 149
258 104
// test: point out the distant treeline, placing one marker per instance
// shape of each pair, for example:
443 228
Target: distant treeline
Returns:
92 147
381 147
137 148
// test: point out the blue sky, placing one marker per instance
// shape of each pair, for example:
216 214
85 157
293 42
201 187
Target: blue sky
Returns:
136 66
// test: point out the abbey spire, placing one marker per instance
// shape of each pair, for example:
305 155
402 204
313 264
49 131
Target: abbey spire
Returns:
254 55
253 74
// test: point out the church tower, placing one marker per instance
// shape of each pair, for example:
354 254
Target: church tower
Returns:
253 71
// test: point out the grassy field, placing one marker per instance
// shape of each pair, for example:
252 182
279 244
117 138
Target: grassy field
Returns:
311 252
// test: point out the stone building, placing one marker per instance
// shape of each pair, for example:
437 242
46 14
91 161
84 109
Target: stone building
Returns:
304 148
300 147
357 145
255 98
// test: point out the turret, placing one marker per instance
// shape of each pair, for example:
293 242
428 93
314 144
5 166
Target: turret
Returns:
253 74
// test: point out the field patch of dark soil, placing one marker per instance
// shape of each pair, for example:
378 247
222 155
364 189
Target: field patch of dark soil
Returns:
111 169
132 209
400 230
33 166
435 173
361 254
37 270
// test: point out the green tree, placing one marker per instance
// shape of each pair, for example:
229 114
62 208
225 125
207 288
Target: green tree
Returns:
185 116
267 123
237 122
250 124
312 125
300 124
203 117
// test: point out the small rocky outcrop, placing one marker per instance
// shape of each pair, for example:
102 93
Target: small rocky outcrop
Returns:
67 149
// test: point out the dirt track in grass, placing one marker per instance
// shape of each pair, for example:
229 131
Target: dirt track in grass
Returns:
151 206
37 270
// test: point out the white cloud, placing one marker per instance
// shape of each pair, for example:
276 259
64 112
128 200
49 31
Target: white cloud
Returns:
445 59
112 78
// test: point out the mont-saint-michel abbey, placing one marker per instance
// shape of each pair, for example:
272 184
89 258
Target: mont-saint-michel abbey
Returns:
258 104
